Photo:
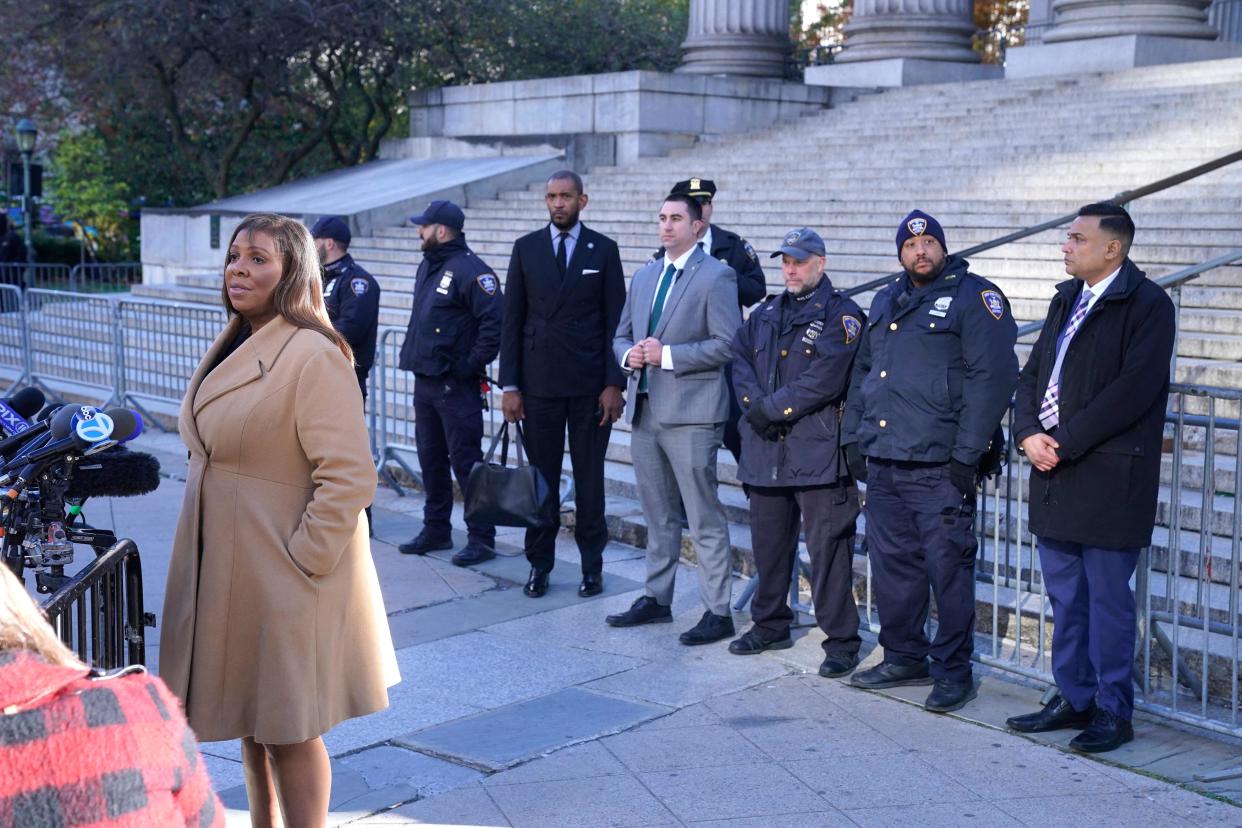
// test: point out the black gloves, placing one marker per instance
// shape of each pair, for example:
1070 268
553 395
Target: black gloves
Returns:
755 416
462 369
856 462
964 477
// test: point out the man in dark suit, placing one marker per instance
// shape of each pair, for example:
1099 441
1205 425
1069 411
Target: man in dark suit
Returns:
563 296
1089 416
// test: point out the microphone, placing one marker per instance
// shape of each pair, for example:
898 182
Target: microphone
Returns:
15 410
87 436
117 472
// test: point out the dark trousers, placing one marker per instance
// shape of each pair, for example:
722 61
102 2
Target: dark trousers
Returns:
448 432
830 516
546 421
920 533
1093 623
732 437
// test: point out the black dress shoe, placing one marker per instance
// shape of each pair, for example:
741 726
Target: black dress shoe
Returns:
591 585
1107 731
711 627
536 584
752 642
837 665
949 695
424 543
1057 714
646 610
474 552
892 675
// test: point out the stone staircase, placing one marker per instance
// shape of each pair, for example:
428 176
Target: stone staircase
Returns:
986 158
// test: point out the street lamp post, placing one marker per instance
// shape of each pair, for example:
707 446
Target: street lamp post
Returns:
27 133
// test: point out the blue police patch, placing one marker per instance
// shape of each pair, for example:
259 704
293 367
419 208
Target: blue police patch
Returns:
358 286
487 281
993 302
853 327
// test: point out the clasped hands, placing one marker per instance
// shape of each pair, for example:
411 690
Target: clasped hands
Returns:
649 351
1041 450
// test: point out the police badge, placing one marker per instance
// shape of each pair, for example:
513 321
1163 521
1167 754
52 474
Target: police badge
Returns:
917 226
487 281
993 302
358 286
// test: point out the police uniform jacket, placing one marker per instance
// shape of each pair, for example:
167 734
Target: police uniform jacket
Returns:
352 296
792 358
731 249
557 333
1114 387
455 323
935 369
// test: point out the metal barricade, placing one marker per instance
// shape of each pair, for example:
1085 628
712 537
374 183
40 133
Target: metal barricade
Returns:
99 613
14 353
1186 586
106 277
72 338
160 344
38 275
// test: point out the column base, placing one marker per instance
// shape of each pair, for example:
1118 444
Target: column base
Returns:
1111 54
871 74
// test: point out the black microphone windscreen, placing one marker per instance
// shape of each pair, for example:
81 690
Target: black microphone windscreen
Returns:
27 402
117 472
48 413
64 421
126 424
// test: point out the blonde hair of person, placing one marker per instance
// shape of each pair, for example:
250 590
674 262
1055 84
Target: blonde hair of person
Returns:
299 293
23 627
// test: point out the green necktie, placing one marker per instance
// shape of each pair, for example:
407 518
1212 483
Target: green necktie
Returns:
657 308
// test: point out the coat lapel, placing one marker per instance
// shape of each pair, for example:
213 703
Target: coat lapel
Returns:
679 288
248 363
644 287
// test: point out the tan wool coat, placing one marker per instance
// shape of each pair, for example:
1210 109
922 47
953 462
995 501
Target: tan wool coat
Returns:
273 623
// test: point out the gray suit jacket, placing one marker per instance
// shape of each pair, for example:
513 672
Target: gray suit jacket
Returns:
698 323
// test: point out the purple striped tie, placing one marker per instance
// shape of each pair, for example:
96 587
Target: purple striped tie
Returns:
1049 409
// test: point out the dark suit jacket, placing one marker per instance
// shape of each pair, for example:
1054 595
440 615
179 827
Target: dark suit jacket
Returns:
557 335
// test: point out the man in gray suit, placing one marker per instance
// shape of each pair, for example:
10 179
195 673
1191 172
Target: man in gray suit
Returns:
674 341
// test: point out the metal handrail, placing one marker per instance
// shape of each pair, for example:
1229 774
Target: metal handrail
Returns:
1121 198
1173 280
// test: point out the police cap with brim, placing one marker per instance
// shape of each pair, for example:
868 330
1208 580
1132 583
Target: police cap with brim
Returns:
802 244
332 227
702 189
441 212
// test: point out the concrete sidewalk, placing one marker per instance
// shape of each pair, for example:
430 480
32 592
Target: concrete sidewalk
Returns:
524 712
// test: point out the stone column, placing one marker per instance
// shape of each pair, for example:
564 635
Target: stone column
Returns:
937 30
1089 19
737 37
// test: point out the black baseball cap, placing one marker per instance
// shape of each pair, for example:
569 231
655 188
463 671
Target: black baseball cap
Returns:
443 212
332 227
801 243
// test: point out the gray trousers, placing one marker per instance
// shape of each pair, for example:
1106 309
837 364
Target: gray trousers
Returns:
676 464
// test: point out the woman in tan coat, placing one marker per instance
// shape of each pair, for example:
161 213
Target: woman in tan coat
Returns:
274 627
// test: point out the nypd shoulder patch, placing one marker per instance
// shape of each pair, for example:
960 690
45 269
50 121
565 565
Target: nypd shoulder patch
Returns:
750 251
993 301
358 286
853 326
487 281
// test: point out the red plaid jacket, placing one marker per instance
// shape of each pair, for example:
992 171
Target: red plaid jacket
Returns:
93 750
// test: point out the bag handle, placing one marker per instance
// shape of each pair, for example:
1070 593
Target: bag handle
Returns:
496 438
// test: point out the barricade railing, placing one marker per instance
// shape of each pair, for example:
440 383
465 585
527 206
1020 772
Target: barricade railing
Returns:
160 344
14 350
1186 586
83 354
108 277
38 275
99 612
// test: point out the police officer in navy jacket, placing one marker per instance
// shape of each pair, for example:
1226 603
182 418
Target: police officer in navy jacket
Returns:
1089 415
791 368
351 294
933 377
564 291
454 333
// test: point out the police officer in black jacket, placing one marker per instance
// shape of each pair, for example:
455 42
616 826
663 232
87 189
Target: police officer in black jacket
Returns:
737 253
454 333
351 294
933 377
1089 415
791 368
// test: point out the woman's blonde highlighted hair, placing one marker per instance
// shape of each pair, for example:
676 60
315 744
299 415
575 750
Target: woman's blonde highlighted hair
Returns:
299 293
23 627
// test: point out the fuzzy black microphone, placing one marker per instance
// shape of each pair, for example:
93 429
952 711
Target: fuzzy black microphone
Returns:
117 472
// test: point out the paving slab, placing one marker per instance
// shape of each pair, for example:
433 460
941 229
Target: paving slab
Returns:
583 761
1131 809
499 738
1027 771
412 581
732 791
821 819
982 814
877 781
608 802
471 806
686 678
684 747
